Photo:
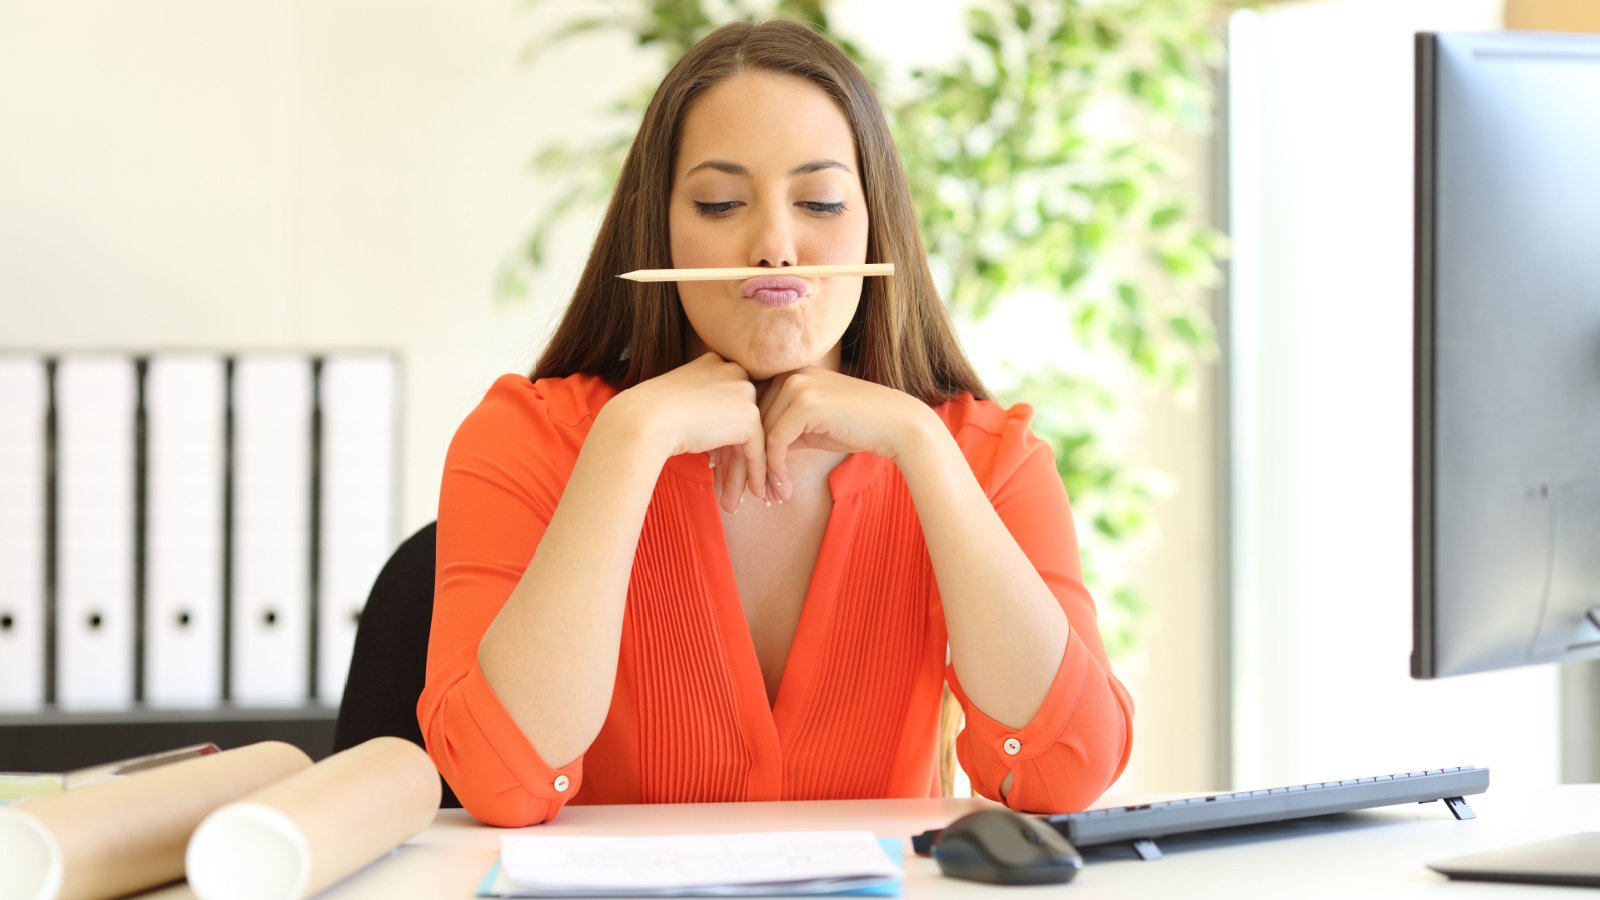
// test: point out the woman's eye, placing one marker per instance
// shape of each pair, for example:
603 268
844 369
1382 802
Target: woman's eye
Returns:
830 209
715 209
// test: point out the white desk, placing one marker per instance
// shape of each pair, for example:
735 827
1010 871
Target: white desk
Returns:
1373 855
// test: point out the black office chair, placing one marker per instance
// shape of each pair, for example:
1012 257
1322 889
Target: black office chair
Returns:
390 657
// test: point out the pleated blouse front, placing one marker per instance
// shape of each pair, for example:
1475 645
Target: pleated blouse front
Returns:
857 708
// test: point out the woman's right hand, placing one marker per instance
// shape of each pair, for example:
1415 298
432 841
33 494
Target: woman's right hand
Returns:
707 405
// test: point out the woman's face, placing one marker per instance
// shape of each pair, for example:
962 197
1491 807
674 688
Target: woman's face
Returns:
766 175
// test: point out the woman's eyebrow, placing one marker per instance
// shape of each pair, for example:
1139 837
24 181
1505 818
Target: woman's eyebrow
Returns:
817 165
733 168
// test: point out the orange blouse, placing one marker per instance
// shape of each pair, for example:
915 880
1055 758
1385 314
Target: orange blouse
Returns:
857 709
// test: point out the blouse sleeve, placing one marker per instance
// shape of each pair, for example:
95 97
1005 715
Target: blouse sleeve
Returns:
1079 739
503 474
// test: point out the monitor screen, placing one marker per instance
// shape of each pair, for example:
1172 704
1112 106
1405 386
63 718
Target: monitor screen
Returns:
1507 389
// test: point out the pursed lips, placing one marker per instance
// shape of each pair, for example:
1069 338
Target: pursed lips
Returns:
775 290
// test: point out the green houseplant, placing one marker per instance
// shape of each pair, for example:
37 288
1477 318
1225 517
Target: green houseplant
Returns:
1036 180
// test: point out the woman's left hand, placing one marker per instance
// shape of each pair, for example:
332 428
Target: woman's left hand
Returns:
819 409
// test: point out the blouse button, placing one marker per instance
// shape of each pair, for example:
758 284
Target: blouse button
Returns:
561 784
1013 746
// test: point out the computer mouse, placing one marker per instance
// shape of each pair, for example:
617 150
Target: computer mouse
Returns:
999 846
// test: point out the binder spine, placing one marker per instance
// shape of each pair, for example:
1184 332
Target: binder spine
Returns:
24 403
96 520
270 639
183 521
357 433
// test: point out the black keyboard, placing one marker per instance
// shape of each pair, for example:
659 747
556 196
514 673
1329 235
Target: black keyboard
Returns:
1140 825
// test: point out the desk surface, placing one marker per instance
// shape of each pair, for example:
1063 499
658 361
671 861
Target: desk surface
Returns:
1375 853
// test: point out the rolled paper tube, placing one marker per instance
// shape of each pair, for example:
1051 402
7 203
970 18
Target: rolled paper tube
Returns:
128 834
298 836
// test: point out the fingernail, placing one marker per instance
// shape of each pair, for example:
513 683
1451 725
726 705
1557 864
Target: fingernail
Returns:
712 460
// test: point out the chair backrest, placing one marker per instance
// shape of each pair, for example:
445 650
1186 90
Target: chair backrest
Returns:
390 658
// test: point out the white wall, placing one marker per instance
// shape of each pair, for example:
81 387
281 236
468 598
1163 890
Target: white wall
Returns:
1322 157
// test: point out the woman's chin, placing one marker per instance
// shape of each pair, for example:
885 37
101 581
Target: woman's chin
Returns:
762 371
764 364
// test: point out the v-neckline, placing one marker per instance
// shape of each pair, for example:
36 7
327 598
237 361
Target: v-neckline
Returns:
816 606
777 719
782 583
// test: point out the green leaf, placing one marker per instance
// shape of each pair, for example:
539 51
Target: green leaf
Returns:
1123 194
1088 315
1023 14
1129 296
1167 214
981 25
1104 37
1173 58
1185 328
1179 262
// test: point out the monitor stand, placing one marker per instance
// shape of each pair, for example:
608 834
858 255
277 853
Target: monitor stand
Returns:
1571 860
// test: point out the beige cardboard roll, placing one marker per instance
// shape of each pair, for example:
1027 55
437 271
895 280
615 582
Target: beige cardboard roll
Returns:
298 836
129 834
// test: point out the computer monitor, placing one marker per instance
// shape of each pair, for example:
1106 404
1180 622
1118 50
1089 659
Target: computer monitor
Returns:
1507 390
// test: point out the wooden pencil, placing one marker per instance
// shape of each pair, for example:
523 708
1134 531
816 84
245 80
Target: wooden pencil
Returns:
740 274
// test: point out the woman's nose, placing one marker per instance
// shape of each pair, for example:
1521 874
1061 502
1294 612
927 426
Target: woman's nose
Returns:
772 243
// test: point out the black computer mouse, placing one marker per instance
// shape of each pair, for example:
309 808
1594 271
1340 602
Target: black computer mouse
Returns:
999 846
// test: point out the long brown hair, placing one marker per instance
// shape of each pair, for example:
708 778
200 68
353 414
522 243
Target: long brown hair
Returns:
627 332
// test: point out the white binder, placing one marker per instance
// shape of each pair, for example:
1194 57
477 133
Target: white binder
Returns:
186 474
359 399
271 617
24 404
96 398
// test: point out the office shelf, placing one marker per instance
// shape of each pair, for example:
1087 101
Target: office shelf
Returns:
55 740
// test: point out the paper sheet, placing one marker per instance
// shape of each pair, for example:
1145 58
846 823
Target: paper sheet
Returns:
803 862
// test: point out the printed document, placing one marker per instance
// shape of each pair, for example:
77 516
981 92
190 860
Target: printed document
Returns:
798 862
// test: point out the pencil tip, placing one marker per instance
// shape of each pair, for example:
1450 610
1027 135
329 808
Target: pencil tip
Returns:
631 276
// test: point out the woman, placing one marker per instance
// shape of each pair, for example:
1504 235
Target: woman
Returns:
730 539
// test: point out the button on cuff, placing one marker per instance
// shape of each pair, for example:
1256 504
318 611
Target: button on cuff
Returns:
561 784
1012 746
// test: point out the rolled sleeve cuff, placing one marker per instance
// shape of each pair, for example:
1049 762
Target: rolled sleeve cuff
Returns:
486 758
1016 745
522 762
